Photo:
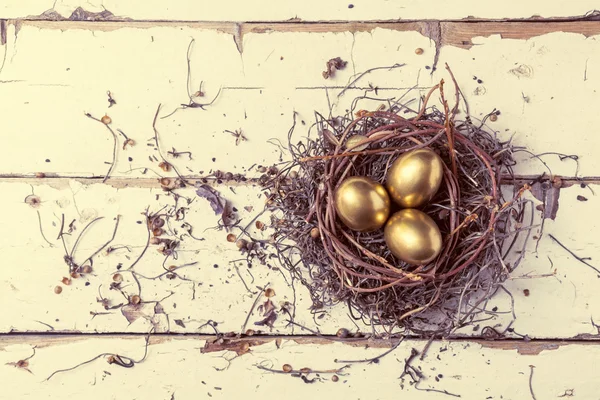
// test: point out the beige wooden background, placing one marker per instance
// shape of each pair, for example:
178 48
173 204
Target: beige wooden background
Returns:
59 59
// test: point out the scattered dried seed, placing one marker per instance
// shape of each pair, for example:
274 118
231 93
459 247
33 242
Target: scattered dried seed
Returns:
157 231
335 378
287 368
58 289
165 182
419 51
581 198
117 278
305 370
165 166
75 275
314 233
526 292
231 238
66 281
260 225
342 333
87 269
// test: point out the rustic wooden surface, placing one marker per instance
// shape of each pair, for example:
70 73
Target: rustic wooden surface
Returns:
311 10
542 76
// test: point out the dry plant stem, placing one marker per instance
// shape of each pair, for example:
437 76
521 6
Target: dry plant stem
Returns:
127 362
115 146
256 300
158 148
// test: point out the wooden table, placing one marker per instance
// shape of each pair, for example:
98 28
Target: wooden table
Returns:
533 61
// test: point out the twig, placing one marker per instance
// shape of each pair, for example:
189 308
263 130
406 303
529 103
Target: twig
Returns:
121 361
580 259
258 296
530 382
435 390
373 360
115 144
42 230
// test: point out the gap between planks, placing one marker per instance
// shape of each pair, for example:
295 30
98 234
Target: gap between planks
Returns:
451 33
216 344
121 183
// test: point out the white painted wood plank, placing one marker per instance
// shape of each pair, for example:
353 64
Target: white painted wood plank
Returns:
43 108
271 10
176 369
558 306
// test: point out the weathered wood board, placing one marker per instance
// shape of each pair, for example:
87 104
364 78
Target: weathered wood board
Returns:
272 10
217 290
543 77
263 81
175 368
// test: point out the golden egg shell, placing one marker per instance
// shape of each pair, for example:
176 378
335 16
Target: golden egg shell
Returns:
362 204
413 237
415 177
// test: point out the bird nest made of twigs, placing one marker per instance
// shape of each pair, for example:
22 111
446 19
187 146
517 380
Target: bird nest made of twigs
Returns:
479 223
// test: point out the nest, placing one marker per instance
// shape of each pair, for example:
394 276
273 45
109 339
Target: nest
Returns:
479 226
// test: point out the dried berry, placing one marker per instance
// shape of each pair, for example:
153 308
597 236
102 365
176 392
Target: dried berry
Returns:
87 269
419 51
260 225
118 278
135 299
58 289
493 117
250 332
106 120
314 233
241 244
287 368
165 166
305 370
269 292
335 378
66 281
75 275
342 333
231 238
157 231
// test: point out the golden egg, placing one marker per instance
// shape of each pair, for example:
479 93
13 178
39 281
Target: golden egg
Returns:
413 237
353 141
362 204
415 177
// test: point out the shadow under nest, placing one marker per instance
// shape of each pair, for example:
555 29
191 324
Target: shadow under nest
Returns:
481 229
